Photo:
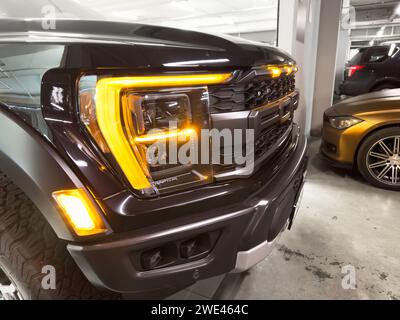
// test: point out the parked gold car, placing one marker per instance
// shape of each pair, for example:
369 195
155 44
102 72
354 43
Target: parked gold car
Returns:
364 133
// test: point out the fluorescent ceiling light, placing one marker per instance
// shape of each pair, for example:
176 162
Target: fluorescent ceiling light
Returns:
183 4
227 20
194 62
392 49
381 31
398 10
125 15
213 21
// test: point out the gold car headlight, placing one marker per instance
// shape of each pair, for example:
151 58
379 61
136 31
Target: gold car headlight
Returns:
126 115
343 122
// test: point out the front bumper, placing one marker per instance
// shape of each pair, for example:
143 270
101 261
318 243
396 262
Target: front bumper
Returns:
245 227
247 259
339 147
322 155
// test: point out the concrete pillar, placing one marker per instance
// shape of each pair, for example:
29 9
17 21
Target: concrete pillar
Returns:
298 35
306 53
341 57
343 44
287 25
330 16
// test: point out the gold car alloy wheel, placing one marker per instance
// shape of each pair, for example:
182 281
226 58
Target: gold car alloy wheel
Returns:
383 160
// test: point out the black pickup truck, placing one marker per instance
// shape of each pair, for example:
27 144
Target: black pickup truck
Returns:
82 207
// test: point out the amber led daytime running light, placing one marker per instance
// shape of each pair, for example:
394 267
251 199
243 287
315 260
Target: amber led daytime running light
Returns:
277 71
150 138
108 114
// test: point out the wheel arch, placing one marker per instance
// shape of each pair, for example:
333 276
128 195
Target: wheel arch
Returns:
30 162
371 132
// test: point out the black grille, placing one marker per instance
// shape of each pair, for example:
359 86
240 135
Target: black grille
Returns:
269 138
264 91
265 142
272 124
250 95
227 98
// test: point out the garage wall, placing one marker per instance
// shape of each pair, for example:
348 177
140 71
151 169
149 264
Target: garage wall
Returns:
298 35
268 37
330 15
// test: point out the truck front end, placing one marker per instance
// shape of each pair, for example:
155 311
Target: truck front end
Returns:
181 154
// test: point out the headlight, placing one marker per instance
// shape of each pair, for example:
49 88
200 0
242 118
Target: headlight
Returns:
126 115
343 122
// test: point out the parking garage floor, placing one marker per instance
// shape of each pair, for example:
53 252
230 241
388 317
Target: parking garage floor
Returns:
344 225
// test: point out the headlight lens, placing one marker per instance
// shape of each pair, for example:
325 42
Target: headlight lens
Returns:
157 111
87 106
125 116
344 122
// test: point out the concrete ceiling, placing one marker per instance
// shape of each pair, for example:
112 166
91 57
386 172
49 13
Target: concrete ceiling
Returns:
378 3
375 22
219 16
214 16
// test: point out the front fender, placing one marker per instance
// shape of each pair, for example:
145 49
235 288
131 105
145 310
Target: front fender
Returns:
36 168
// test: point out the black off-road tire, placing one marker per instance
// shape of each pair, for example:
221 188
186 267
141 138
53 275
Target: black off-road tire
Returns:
363 153
28 243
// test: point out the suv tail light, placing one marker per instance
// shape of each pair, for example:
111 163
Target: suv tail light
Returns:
353 69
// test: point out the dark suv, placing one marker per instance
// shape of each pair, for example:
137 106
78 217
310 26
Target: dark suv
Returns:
372 69
80 203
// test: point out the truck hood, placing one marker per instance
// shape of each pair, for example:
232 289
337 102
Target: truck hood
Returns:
95 44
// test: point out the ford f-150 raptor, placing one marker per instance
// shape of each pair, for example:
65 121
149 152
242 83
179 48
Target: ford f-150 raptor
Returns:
80 199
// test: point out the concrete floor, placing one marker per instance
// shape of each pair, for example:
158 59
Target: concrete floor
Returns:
342 221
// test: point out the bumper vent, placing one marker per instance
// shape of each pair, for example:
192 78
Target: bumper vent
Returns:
269 138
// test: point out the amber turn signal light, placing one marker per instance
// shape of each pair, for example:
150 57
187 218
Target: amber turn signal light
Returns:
80 212
151 138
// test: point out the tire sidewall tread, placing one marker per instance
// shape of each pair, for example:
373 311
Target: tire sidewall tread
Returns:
363 152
